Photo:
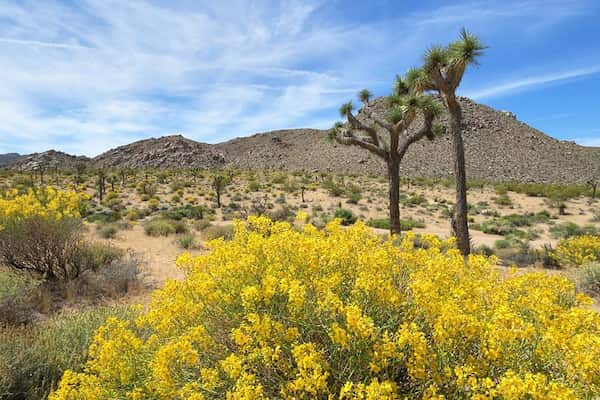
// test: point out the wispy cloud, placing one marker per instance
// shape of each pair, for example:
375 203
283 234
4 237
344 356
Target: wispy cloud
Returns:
89 75
525 83
588 141
40 43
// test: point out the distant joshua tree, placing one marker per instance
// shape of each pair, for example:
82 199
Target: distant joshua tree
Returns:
389 137
101 184
593 185
218 183
442 72
79 176
112 179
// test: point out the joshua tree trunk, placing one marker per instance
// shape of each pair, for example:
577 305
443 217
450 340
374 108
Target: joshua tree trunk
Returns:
394 194
460 176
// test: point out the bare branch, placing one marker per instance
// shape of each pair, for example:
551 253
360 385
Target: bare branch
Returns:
355 141
356 124
455 72
408 119
439 80
382 123
426 130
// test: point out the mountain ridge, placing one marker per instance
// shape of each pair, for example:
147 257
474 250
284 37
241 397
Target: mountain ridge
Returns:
498 147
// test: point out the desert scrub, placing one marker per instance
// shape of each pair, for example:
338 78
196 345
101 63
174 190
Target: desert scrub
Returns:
570 229
218 231
279 312
578 250
186 241
588 279
16 292
347 216
33 359
107 231
164 227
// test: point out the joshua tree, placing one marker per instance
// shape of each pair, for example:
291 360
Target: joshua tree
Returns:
101 184
41 168
79 176
219 182
196 173
390 137
442 72
56 182
593 185
124 173
112 179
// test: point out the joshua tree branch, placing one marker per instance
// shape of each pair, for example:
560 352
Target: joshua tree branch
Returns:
356 124
406 121
439 80
426 130
353 140
371 115
455 73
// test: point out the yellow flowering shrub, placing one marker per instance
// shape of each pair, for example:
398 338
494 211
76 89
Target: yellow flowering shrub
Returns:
44 202
297 313
578 250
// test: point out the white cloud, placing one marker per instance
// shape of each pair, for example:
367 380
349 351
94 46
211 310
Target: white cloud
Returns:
99 73
588 141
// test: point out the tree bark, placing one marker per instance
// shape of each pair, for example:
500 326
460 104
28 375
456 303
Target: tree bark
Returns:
460 176
394 194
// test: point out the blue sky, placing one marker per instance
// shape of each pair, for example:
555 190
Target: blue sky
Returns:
83 76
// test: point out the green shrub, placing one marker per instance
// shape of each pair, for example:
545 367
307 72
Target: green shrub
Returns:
16 291
202 224
409 224
218 231
107 231
347 216
111 278
283 213
588 279
92 256
159 227
32 359
379 223
253 186
503 244
503 200
415 200
570 229
186 241
104 217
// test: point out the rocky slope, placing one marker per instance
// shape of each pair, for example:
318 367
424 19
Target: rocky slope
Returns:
165 152
498 147
50 159
8 158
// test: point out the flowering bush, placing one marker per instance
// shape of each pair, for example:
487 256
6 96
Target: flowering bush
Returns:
282 313
578 250
40 232
44 202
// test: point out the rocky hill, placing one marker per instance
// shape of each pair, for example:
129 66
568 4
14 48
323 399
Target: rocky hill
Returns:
498 147
50 159
165 152
8 158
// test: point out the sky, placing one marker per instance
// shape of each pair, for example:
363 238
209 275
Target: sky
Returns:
83 76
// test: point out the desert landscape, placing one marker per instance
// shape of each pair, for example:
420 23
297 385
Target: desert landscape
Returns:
426 245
